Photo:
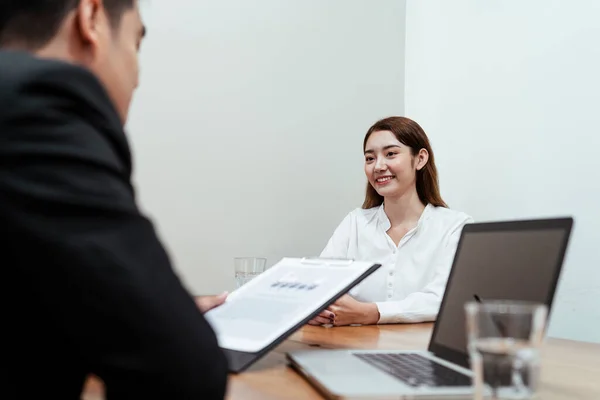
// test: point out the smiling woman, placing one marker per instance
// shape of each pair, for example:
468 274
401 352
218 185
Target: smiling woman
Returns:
403 224
396 142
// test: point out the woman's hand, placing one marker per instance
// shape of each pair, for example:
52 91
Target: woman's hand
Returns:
348 311
324 318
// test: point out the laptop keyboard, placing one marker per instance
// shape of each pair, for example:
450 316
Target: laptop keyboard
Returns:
415 370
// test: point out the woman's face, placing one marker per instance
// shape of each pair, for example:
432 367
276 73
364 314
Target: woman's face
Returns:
390 166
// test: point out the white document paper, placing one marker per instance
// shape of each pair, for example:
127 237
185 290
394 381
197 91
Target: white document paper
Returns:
262 310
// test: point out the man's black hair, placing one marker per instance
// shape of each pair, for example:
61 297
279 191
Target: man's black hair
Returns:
33 23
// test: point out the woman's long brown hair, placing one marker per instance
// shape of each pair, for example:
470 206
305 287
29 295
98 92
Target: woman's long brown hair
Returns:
412 135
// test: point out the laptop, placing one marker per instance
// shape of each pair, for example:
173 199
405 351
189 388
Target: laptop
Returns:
509 260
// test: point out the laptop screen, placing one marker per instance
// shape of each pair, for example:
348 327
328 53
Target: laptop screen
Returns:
512 261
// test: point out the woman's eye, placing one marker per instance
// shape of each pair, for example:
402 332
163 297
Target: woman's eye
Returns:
391 153
369 159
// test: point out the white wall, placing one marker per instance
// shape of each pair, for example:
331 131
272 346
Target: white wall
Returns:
248 124
509 92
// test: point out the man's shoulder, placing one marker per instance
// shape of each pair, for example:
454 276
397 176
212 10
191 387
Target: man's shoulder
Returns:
44 82
20 67
53 106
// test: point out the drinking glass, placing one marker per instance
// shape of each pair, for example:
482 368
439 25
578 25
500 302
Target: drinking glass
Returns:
248 268
504 340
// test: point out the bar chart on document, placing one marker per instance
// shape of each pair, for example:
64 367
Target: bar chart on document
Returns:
277 299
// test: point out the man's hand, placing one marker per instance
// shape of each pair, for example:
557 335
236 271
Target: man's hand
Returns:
347 311
206 303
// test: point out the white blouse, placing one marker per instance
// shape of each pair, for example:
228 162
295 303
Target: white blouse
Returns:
410 284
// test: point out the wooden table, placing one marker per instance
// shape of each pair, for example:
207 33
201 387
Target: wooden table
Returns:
570 370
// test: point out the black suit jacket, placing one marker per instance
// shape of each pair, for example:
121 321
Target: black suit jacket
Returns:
87 287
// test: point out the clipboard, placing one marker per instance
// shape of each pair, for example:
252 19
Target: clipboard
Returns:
305 298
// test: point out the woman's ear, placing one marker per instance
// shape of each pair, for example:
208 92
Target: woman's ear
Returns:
422 158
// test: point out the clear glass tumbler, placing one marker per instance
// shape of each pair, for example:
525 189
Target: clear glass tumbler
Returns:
248 268
504 340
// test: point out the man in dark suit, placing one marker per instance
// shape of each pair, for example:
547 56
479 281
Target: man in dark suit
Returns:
87 287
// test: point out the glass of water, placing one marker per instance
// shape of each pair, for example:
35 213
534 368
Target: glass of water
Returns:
248 268
504 340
